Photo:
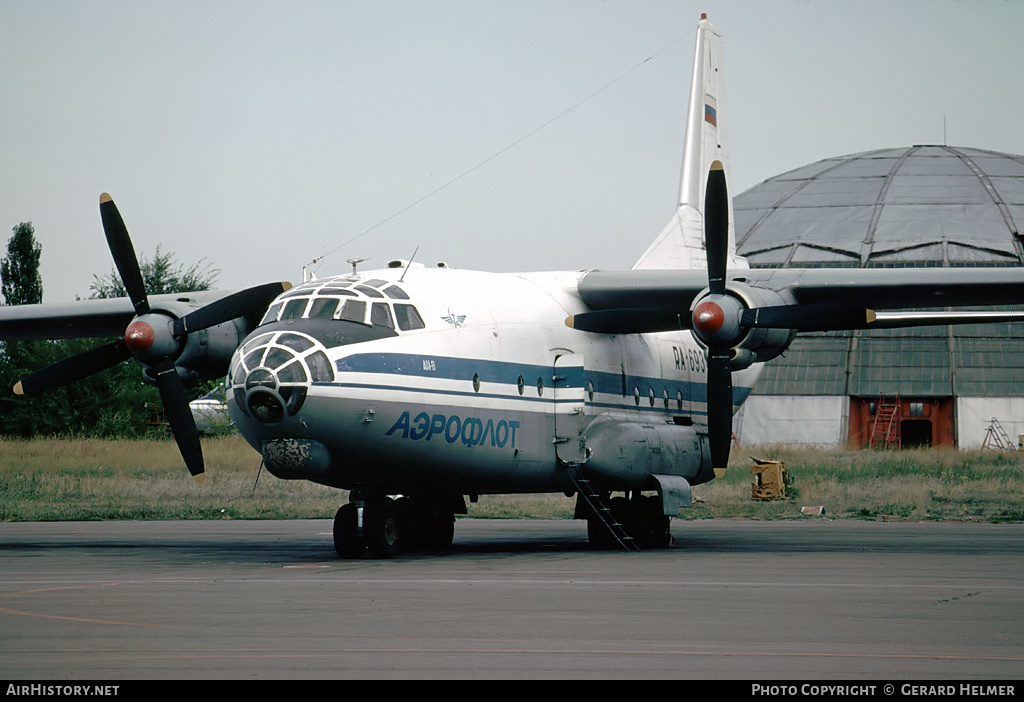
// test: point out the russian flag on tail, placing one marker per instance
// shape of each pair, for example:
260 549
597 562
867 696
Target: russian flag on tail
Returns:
710 110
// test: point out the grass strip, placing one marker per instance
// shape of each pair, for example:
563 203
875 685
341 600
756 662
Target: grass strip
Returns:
92 479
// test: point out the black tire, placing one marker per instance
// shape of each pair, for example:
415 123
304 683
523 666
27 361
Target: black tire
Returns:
651 526
346 533
382 529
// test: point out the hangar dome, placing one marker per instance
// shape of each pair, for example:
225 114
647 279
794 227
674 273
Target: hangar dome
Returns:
922 206
916 206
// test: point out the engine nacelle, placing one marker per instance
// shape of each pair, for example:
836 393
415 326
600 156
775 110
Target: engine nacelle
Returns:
748 345
205 353
625 455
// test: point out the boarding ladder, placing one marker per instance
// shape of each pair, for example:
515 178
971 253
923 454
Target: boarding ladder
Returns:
603 512
996 438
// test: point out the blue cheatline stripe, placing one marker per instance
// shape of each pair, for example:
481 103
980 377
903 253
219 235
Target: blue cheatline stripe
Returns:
508 373
452 368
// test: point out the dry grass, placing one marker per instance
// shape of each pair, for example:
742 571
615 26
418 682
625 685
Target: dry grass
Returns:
76 479
938 484
55 479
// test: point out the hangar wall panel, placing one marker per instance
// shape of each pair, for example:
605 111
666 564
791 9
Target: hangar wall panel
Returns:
801 420
974 415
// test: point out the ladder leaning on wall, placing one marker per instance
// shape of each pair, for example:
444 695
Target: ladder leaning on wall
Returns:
996 438
884 429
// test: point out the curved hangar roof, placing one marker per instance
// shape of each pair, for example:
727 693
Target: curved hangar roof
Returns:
916 206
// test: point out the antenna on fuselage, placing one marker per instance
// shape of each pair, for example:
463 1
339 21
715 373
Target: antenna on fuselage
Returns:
408 264
355 262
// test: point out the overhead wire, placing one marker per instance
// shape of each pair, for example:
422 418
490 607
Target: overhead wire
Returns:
502 151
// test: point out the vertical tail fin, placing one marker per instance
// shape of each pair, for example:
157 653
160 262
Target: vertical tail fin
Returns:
682 243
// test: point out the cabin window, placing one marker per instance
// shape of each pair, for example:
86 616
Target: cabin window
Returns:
540 387
476 382
650 396
408 317
521 385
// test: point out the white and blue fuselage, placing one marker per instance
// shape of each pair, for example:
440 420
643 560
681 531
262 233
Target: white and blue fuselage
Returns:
419 379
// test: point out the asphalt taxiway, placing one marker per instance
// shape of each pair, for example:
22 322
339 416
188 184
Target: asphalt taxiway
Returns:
814 599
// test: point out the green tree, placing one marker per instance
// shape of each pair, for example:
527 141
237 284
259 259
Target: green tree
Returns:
161 274
20 281
114 403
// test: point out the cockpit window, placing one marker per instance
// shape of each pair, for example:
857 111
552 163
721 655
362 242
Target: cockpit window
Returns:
369 292
345 299
271 315
380 315
293 309
408 318
395 293
323 308
353 311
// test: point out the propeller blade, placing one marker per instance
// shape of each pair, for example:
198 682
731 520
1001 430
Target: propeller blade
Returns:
716 229
719 408
629 321
814 317
74 368
228 308
123 253
179 415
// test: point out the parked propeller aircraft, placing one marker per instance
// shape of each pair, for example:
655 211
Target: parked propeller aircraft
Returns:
435 383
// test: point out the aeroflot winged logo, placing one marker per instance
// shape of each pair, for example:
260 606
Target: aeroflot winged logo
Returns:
455 320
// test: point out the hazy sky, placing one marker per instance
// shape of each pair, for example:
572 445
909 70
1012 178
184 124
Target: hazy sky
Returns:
260 135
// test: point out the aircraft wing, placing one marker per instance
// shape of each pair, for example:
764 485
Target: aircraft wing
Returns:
878 288
90 318
815 299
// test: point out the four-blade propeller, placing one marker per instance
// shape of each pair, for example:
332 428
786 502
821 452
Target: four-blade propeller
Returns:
154 339
723 322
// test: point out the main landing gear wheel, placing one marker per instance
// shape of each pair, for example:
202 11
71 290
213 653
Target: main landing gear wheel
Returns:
381 529
348 541
384 527
379 532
